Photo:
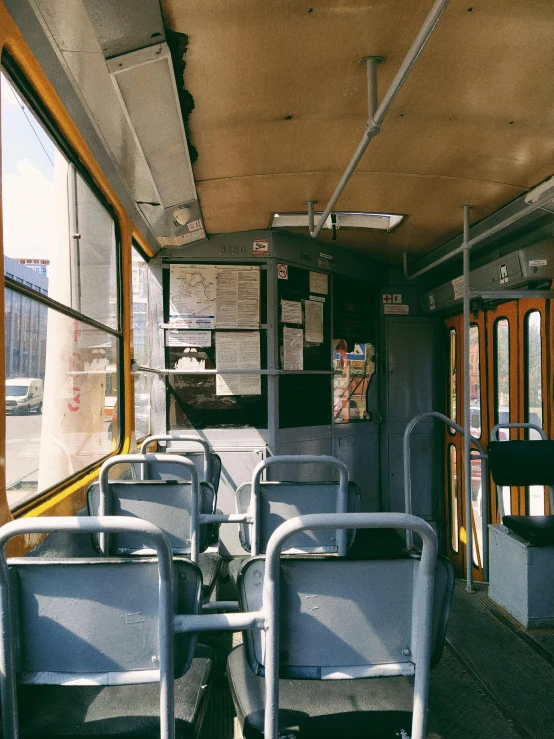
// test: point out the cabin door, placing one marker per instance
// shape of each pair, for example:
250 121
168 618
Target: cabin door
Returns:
509 379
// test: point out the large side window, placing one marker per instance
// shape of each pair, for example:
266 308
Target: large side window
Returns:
62 326
533 396
141 345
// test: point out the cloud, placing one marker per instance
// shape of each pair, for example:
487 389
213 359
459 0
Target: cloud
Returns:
29 212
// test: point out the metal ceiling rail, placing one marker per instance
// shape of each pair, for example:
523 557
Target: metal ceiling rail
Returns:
547 198
376 116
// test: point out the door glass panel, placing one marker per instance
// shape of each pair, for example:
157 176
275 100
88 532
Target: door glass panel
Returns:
476 504
474 382
533 410
502 390
452 376
453 496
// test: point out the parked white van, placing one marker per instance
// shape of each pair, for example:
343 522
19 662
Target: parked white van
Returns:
23 395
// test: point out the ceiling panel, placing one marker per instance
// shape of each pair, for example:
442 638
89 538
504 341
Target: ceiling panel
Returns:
280 104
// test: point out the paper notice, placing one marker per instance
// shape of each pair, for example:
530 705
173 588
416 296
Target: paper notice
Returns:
188 338
293 348
192 295
237 350
314 321
291 311
458 285
319 283
237 297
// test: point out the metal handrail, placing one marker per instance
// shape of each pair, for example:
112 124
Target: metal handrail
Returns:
484 481
373 126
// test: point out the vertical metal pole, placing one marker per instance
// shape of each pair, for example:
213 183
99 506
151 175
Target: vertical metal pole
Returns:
467 409
311 215
371 62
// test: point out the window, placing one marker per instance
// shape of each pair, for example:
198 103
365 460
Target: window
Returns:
62 329
141 345
502 390
533 397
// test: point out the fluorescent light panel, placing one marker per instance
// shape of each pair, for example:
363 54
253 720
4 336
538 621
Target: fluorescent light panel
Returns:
145 83
343 219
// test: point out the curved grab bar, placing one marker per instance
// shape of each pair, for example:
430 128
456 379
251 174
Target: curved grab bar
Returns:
342 498
533 426
182 437
484 477
145 459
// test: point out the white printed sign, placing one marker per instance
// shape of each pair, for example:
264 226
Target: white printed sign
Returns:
396 310
188 338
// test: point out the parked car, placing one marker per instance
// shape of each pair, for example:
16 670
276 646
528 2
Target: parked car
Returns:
23 395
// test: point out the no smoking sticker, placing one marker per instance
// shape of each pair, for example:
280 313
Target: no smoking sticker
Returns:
283 271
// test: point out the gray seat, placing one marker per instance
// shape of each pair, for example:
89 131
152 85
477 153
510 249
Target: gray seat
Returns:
91 641
348 645
165 503
280 501
207 463
276 502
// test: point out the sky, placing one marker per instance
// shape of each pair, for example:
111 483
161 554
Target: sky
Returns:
28 194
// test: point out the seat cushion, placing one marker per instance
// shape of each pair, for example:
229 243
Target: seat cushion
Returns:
376 708
537 530
122 711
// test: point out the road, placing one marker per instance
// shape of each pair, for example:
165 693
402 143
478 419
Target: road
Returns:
22 453
22 456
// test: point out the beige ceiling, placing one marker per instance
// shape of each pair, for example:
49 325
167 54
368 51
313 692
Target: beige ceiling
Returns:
474 122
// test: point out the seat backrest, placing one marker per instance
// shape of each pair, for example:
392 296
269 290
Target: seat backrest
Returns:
165 503
95 621
341 617
521 462
207 463
280 501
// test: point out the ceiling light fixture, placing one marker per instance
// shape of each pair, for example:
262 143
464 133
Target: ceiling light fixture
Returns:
351 220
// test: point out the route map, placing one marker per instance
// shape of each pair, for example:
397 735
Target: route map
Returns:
192 296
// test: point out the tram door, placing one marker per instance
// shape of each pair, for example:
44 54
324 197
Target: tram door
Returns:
508 349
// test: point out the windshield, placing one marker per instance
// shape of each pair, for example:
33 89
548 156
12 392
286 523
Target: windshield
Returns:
16 391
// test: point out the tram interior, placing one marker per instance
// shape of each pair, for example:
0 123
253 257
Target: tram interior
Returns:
299 255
